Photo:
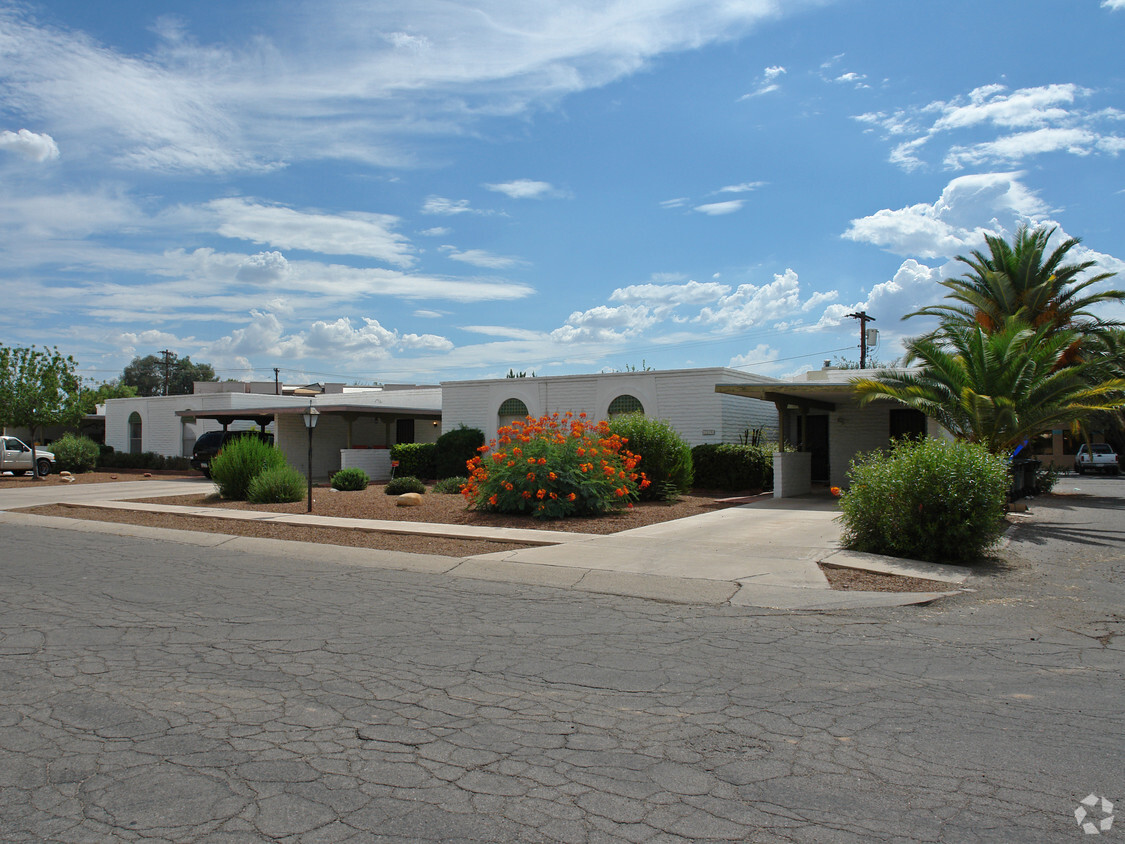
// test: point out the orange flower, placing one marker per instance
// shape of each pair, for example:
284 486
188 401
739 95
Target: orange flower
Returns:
526 494
835 491
541 494
571 497
531 460
531 476
552 476
508 486
492 500
542 461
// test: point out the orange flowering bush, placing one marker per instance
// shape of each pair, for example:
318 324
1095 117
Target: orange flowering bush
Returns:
553 467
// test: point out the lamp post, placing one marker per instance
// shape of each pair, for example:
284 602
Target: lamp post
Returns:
310 416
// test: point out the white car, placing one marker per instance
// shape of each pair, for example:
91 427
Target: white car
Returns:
15 457
1098 457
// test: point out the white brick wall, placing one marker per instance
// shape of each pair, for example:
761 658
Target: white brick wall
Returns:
686 398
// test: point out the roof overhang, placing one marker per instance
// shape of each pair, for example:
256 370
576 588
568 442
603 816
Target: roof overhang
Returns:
265 415
803 395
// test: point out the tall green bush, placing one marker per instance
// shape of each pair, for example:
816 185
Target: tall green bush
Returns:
454 449
732 466
240 461
665 456
926 499
415 459
75 453
110 459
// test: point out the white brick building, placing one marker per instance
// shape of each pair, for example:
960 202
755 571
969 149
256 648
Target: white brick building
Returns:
686 398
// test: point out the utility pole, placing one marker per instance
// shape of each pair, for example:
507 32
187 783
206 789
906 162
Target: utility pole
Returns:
863 320
168 355
276 383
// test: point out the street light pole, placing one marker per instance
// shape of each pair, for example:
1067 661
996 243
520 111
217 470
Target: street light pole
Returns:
311 416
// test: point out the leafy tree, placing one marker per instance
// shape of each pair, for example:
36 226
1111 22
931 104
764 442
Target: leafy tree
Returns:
148 375
93 396
38 387
1000 388
1021 280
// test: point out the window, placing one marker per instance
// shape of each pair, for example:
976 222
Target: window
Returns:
135 441
908 423
625 404
510 411
513 407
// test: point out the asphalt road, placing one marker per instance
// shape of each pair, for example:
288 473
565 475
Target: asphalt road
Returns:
155 690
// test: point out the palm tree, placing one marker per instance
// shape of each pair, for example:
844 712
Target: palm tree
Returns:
998 388
1021 280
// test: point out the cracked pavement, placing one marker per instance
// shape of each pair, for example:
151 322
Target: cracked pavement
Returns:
161 691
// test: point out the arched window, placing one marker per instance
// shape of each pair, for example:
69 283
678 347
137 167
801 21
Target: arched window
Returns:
625 404
510 411
135 441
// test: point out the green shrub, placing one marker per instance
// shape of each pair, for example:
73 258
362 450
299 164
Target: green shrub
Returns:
276 486
240 461
75 453
554 467
415 459
407 483
110 459
350 480
733 467
450 486
665 456
926 499
454 449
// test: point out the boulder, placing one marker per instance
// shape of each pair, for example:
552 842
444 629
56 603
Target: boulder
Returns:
409 499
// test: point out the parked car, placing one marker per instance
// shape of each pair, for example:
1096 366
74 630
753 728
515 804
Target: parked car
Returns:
211 443
1098 457
15 457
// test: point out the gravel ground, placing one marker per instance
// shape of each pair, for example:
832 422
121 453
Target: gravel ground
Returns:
9 481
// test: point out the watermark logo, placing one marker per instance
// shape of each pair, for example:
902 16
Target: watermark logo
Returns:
1094 814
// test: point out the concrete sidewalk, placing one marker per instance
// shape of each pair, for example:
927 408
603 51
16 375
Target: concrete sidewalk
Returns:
764 554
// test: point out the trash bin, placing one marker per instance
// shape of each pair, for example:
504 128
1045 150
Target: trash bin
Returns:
1024 471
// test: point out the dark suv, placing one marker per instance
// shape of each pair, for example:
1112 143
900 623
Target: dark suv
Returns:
211 443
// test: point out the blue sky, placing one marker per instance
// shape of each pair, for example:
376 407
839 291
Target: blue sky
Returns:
425 190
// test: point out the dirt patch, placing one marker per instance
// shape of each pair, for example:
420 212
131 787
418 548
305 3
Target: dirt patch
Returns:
99 477
849 579
439 508
353 538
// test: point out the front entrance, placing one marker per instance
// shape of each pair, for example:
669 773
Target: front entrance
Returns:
813 435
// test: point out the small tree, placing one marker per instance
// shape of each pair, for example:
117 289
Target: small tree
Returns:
93 396
38 387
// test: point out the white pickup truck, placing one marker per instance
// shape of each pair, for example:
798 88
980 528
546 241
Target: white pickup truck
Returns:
1098 457
15 457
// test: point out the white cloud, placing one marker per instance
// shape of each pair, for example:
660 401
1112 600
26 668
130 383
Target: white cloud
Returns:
715 209
953 224
751 305
678 202
505 331
691 293
524 189
604 324
1029 122
353 233
760 359
1113 4
744 187
481 258
343 80
30 145
767 83
448 207
263 267
436 231
427 313
1017 147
